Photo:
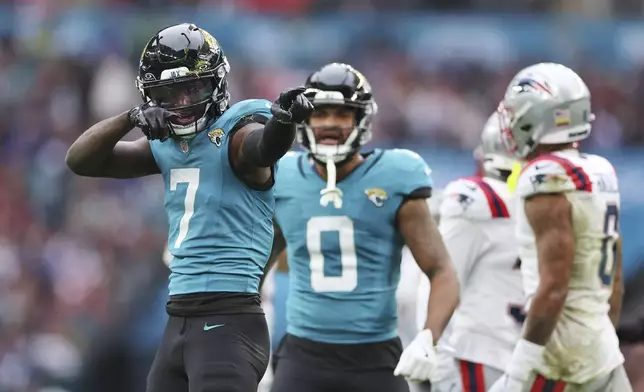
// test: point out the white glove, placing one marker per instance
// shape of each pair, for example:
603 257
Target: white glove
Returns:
418 361
445 364
526 358
507 384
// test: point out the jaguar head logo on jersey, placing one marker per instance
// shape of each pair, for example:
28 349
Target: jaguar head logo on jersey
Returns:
377 196
216 136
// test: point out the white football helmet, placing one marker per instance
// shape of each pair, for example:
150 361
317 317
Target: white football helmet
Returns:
545 103
492 150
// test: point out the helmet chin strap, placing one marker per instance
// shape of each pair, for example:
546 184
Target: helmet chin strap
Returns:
331 194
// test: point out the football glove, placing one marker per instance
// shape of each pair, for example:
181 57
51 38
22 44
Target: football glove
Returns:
526 358
418 361
153 120
292 107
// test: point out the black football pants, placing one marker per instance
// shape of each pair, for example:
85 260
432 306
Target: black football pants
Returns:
303 365
218 353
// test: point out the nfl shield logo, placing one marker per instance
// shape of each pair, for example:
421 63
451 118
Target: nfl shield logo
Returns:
185 147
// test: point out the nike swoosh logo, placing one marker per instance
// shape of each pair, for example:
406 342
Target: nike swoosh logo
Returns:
207 327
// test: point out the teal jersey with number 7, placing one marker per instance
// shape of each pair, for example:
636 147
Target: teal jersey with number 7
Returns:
344 262
221 230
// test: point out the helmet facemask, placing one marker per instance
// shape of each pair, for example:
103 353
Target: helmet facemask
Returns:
190 100
492 153
337 143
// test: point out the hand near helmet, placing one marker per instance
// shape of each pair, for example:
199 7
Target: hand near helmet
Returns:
153 120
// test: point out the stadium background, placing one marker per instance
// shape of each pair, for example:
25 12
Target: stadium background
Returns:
82 285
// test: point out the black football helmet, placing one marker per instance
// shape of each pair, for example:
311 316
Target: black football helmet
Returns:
339 84
183 69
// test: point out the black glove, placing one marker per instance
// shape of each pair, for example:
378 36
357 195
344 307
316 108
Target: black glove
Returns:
292 106
152 120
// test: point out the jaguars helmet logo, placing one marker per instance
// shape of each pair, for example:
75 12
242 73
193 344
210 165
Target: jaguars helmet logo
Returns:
216 136
377 196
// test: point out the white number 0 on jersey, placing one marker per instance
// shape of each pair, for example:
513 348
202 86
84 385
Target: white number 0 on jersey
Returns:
348 280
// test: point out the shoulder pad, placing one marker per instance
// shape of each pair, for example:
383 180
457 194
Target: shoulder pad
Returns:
290 159
242 109
472 198
407 160
409 170
250 106
552 174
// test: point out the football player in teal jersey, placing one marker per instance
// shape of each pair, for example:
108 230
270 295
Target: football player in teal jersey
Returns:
344 217
218 163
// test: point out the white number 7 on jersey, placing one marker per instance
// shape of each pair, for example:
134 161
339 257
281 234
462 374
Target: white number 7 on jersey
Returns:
190 176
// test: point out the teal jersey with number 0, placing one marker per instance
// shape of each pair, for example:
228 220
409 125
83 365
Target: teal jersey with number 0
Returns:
220 229
345 263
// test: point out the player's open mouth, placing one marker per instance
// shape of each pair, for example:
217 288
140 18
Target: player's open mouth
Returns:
184 120
329 141
329 137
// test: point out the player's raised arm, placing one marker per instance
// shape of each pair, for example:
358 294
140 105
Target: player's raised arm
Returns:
98 152
618 286
257 147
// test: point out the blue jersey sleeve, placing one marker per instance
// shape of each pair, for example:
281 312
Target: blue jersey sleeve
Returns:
411 171
244 109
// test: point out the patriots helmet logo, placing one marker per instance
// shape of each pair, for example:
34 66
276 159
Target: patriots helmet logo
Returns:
531 85
377 196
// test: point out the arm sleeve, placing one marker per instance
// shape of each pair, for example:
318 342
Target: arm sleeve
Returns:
264 147
464 241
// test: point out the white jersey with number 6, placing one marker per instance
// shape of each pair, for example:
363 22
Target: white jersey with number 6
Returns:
584 344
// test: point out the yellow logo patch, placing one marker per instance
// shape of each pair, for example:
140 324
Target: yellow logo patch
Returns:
216 136
377 196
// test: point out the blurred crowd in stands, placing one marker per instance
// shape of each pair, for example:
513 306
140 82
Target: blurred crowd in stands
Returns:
80 259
